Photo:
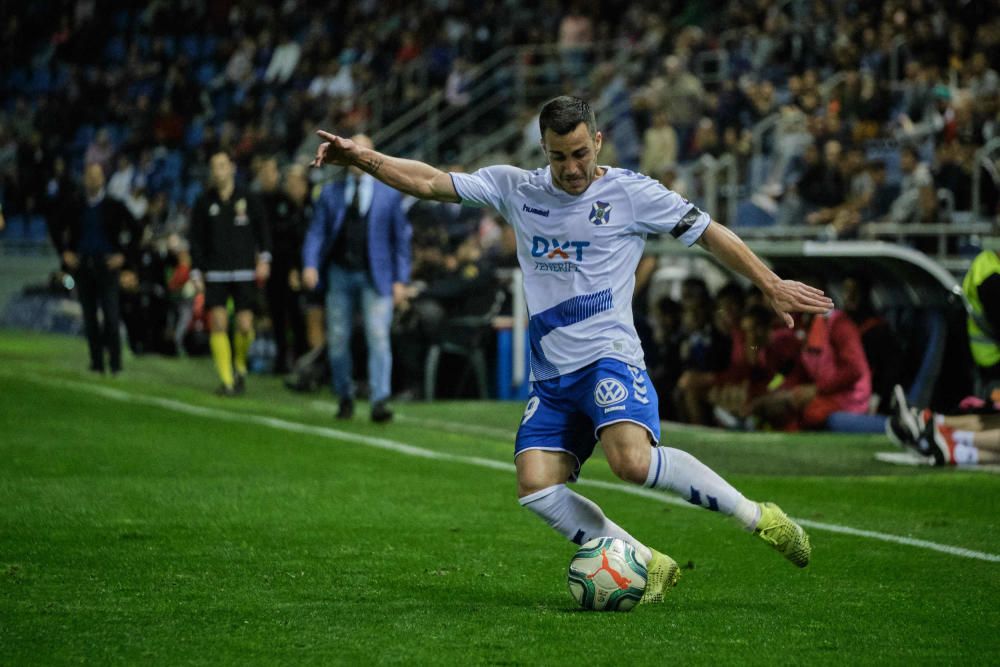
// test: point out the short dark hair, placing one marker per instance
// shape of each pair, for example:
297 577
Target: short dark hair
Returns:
562 114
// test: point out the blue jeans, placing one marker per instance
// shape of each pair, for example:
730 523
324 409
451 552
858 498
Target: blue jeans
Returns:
345 290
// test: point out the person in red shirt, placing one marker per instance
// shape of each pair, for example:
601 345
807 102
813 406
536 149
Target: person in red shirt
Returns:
760 355
832 375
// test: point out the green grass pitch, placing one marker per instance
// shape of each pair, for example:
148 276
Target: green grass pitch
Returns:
145 521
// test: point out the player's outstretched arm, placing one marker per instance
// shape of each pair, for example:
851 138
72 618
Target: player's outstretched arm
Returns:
410 176
785 296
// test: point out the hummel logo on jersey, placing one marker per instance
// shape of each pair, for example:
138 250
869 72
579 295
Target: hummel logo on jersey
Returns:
609 391
600 213
537 211
552 248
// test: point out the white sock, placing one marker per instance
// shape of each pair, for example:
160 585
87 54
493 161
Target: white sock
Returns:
965 453
698 484
577 518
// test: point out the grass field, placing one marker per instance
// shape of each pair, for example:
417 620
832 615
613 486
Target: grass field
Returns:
145 521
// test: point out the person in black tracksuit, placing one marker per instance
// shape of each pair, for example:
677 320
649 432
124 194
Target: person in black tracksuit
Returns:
94 238
230 257
288 213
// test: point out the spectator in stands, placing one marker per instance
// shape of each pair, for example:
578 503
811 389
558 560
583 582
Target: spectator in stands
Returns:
842 220
659 142
678 92
704 350
880 342
832 375
576 33
761 355
288 218
456 88
230 257
100 151
144 297
284 59
820 184
94 240
705 140
883 193
120 183
950 173
666 362
916 186
360 239
58 201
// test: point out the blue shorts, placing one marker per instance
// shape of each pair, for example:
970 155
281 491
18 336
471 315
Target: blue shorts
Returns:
566 413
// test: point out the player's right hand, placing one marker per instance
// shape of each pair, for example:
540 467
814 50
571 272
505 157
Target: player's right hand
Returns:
334 150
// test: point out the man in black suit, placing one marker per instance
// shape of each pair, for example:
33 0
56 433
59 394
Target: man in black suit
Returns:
94 239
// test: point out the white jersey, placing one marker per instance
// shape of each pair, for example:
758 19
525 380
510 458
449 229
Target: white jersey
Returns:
579 254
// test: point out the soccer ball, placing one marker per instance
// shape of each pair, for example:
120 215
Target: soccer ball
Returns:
606 574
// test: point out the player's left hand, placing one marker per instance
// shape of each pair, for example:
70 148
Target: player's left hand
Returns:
791 296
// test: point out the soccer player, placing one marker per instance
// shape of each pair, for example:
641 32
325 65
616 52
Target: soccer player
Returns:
580 233
230 255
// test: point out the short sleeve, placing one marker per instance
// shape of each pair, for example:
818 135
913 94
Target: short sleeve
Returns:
488 186
657 210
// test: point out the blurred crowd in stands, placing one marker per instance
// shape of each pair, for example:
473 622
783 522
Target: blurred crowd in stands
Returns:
876 112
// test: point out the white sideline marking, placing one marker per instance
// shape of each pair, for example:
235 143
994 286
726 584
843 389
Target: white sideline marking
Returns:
420 452
910 458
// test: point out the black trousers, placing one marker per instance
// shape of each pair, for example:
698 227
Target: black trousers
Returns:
97 286
285 306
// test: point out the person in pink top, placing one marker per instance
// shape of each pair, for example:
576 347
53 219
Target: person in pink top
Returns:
832 375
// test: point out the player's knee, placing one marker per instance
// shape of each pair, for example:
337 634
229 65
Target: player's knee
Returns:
529 484
218 320
629 464
627 448
540 469
245 323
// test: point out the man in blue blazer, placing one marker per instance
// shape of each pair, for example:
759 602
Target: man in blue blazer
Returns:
360 239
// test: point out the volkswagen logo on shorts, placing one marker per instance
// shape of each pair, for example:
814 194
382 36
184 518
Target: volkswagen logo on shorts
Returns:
609 391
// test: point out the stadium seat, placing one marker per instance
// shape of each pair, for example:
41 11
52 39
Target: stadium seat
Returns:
37 231
191 192
194 132
15 228
188 45
114 50
84 135
749 214
208 46
144 43
205 73
41 80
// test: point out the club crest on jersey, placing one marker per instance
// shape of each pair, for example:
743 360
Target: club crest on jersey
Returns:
600 213
609 391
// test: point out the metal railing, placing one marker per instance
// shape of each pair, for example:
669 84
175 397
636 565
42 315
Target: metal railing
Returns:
899 233
508 79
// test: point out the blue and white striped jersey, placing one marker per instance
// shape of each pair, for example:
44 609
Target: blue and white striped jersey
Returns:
579 254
